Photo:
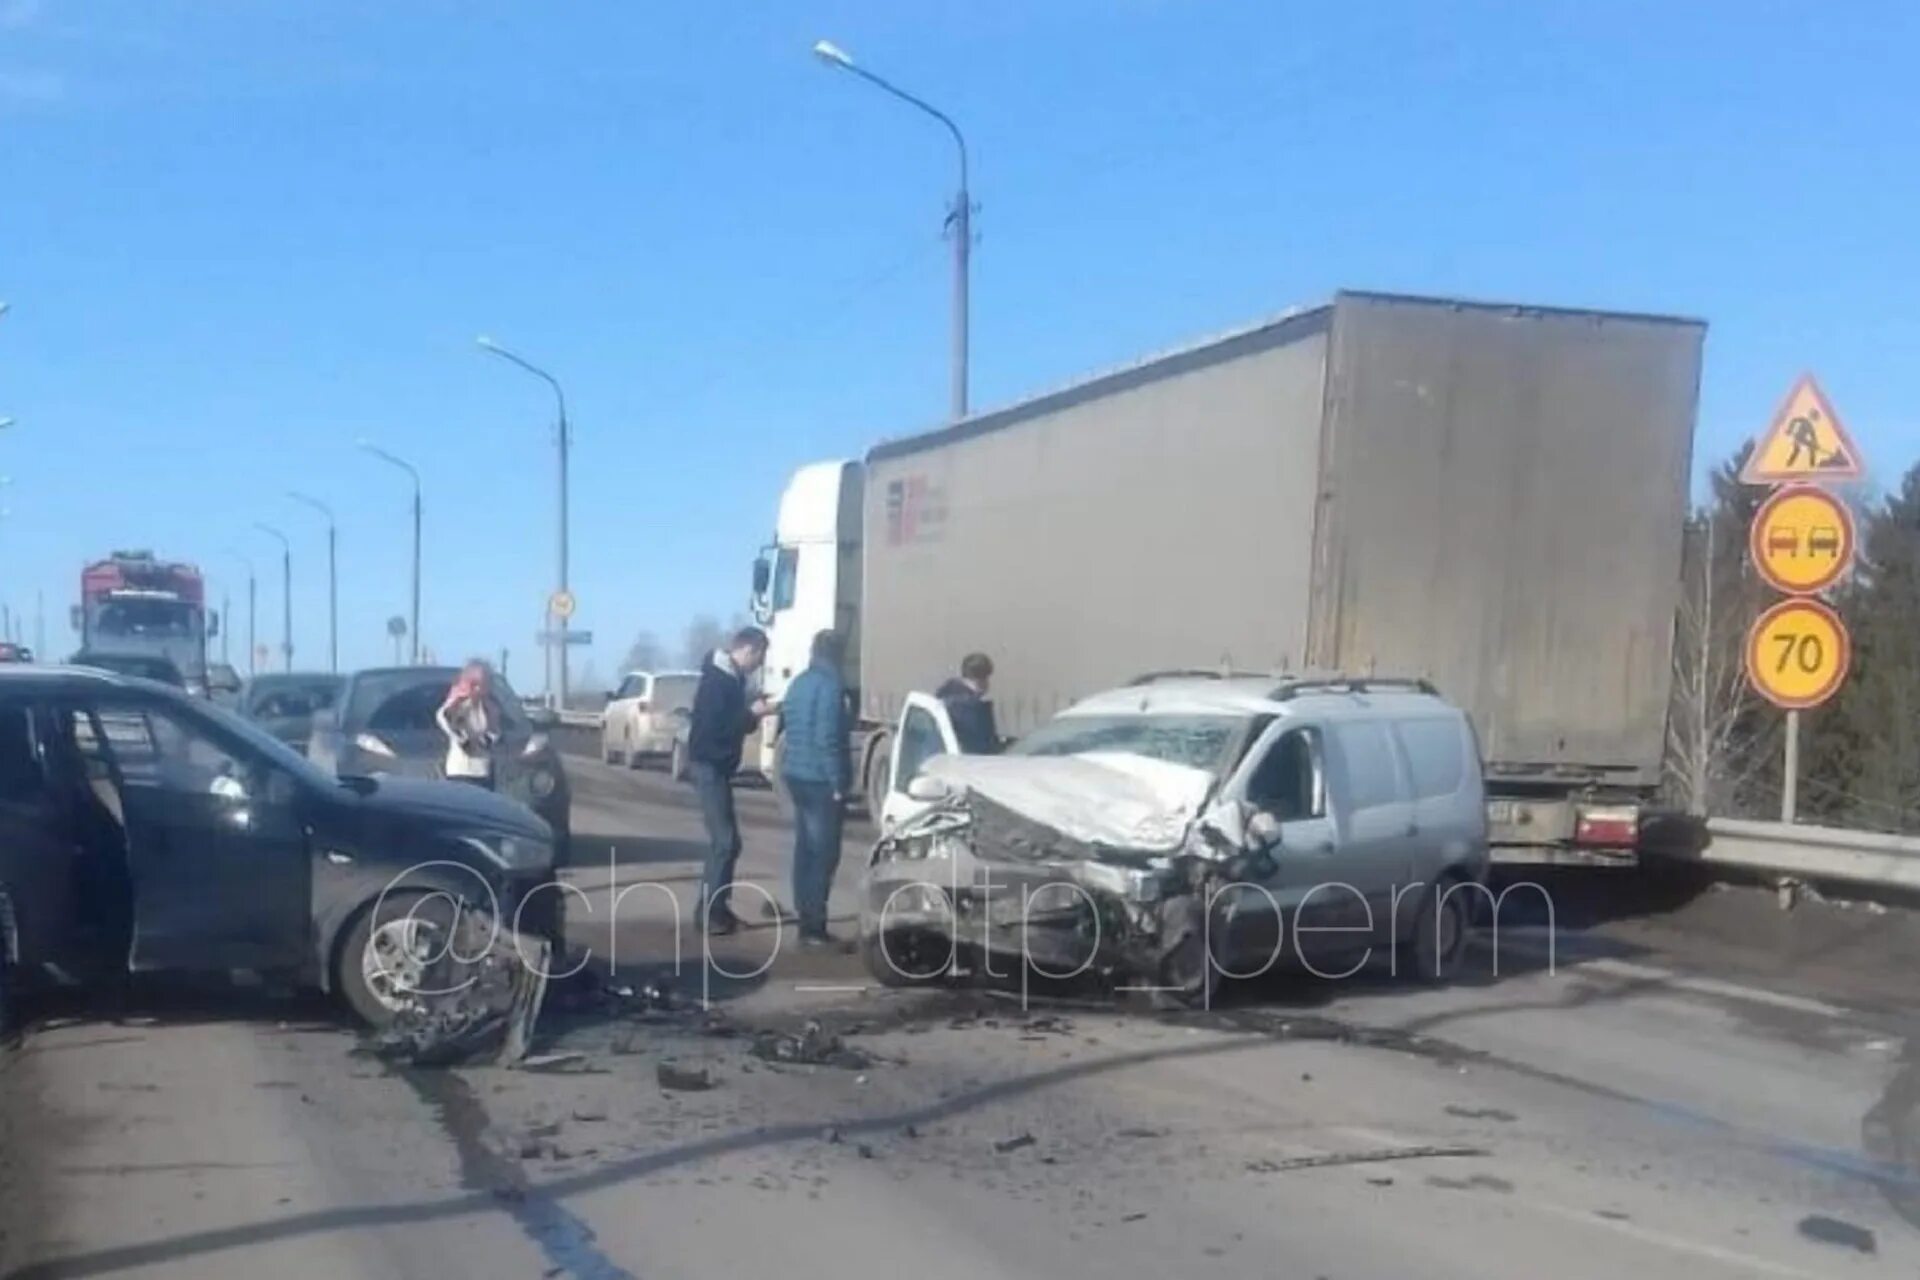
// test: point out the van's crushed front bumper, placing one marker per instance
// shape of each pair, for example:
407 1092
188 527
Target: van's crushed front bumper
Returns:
973 883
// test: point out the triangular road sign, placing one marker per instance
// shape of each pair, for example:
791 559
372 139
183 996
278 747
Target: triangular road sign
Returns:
1805 442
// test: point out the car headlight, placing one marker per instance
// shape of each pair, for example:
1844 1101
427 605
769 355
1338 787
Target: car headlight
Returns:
541 783
512 853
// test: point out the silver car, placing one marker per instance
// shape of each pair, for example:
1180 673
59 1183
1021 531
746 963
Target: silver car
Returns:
1183 829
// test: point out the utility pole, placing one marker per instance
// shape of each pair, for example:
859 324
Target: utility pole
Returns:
556 630
40 626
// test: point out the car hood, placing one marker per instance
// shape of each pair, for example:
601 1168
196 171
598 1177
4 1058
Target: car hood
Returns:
451 802
1109 799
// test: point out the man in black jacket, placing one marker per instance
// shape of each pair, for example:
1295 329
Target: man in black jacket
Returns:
721 720
969 708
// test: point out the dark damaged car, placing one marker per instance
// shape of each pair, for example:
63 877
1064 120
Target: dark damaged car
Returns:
144 830
1183 829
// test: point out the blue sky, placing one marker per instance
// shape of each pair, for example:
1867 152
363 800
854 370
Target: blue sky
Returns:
237 235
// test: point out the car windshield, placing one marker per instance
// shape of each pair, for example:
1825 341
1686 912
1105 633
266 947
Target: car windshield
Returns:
148 617
293 697
1200 741
405 700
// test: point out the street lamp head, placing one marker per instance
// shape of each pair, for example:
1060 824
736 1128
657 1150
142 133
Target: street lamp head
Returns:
5 423
488 343
832 54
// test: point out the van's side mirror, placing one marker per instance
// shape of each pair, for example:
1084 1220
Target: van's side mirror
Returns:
762 575
1263 830
925 788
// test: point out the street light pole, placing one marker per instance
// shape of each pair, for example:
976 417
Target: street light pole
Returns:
286 592
557 625
959 218
253 602
408 467
333 578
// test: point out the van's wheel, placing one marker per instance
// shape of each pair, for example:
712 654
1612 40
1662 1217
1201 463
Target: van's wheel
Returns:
1442 931
388 953
677 761
607 754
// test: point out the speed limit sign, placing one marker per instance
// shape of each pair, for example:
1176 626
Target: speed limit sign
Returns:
1798 653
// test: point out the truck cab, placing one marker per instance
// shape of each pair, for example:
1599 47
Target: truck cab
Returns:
807 580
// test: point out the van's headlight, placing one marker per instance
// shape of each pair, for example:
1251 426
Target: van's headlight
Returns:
512 853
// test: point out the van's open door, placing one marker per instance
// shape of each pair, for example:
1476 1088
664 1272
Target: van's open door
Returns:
925 731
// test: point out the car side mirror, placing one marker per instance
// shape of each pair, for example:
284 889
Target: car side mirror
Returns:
926 788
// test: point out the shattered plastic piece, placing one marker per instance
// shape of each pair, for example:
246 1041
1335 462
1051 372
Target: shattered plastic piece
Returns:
1005 1145
814 1046
586 1115
1840 1232
553 1062
683 1080
866 1152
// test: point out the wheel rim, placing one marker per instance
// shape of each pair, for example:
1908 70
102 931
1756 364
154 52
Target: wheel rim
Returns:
394 963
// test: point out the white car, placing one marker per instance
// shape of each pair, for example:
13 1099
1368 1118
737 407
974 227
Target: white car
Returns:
640 718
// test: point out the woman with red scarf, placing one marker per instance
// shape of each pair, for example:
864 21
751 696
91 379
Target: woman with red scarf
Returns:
471 718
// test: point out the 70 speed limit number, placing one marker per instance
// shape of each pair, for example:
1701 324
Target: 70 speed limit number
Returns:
1798 653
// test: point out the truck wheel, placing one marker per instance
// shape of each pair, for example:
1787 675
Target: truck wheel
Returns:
677 761
875 782
776 779
1442 931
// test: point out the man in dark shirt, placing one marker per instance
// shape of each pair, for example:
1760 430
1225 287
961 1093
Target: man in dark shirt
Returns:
969 708
722 718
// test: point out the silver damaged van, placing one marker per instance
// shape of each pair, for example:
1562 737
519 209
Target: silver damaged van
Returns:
1183 829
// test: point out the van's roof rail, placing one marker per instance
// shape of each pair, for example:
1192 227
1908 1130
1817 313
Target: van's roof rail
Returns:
1294 686
1196 673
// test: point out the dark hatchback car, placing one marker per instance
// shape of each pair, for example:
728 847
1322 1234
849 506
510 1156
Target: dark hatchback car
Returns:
141 828
384 723
285 703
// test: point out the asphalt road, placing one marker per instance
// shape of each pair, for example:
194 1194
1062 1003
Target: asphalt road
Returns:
1679 1092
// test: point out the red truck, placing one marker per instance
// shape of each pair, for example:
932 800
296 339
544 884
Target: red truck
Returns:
134 605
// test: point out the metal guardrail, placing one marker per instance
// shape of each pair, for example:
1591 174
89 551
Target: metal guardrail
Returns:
1866 858
580 719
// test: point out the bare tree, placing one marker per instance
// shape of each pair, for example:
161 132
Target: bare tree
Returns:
1721 737
646 653
703 636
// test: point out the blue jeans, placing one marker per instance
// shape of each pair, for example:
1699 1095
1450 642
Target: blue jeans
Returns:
723 835
816 850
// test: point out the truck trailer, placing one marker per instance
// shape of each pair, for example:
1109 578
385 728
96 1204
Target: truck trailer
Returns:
1488 496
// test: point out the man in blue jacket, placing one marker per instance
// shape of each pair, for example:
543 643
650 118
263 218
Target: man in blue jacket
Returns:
722 718
816 770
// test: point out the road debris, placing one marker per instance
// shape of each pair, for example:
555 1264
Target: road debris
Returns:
682 1080
1335 1159
1837 1231
814 1046
1481 1113
554 1063
1005 1145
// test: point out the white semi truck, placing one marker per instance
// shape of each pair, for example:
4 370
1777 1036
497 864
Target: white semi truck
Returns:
1488 496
